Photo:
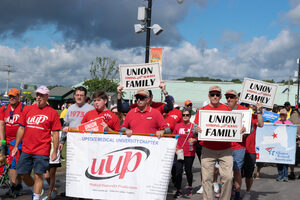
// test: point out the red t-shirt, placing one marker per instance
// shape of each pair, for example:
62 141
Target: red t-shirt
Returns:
38 125
250 140
156 105
185 131
239 145
173 117
108 117
212 144
149 121
11 125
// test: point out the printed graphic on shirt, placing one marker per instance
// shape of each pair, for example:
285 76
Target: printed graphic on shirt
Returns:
11 119
77 114
36 120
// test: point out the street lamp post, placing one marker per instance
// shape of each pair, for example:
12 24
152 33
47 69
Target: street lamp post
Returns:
298 61
148 21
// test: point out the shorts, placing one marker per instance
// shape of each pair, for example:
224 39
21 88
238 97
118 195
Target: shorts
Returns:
54 165
14 159
27 162
238 158
249 165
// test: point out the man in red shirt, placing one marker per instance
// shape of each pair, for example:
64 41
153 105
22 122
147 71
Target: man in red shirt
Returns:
110 121
215 151
9 115
238 148
174 116
143 118
36 124
250 156
161 107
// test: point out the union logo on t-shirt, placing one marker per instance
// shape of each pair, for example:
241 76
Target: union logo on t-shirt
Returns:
14 119
37 119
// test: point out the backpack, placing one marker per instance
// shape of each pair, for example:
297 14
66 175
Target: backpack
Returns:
6 105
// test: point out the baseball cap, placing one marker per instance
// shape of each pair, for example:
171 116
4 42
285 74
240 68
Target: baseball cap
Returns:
170 97
42 90
283 112
215 89
13 92
233 92
187 102
144 93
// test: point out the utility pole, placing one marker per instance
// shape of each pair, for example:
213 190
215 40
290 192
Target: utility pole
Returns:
8 70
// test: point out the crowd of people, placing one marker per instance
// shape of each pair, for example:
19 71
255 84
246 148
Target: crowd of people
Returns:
34 143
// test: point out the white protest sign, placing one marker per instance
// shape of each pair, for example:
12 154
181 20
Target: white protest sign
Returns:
258 91
140 76
117 167
220 126
246 119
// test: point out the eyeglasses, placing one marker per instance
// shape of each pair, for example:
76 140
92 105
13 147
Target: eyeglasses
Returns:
214 94
189 105
11 115
230 96
142 98
185 115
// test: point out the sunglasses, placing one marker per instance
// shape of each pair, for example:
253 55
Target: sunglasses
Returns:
142 98
185 115
189 105
230 96
11 115
214 94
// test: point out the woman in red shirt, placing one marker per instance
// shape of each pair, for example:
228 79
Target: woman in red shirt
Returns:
186 141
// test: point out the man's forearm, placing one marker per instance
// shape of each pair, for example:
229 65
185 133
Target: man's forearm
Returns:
260 121
55 140
19 135
2 130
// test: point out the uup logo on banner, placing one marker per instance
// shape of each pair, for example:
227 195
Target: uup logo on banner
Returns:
128 160
117 167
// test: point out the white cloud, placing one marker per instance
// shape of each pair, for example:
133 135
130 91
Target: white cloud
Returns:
293 16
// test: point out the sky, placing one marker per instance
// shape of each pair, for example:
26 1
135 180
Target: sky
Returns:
53 42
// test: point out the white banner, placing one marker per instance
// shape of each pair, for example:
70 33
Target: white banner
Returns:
140 76
258 91
246 119
117 167
220 126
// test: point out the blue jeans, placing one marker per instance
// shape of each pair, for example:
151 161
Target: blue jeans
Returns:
282 171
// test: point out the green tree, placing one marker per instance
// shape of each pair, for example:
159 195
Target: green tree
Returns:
103 71
29 97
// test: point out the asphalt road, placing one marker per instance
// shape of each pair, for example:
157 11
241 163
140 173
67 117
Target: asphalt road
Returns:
265 188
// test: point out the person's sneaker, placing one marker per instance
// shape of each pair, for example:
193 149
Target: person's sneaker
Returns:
200 191
285 179
189 191
53 194
292 176
247 196
216 187
177 194
45 198
279 178
237 196
218 195
19 189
